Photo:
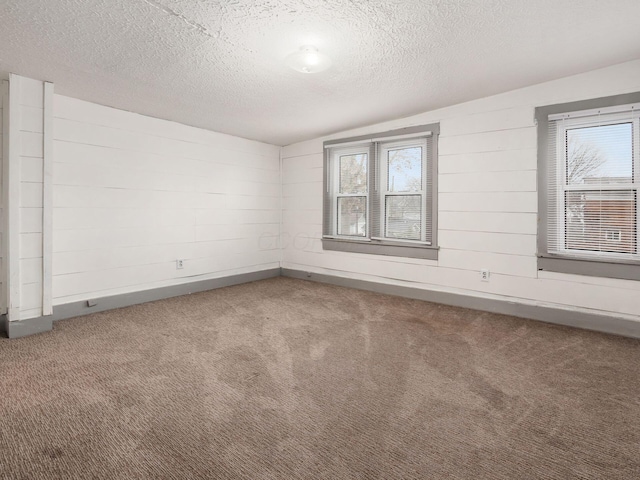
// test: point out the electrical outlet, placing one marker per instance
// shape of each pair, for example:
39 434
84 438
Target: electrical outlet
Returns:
484 275
179 264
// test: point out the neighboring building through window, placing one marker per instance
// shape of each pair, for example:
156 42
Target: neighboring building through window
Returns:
380 193
614 236
590 179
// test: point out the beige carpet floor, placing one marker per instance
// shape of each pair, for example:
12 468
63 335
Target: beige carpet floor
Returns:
288 379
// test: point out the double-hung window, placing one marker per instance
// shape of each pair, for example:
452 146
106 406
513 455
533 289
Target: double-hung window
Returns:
589 163
380 193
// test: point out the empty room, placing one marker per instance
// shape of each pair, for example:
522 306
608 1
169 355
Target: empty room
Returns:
319 239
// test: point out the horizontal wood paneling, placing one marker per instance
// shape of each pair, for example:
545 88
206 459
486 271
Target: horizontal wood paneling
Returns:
510 160
507 264
500 141
31 220
303 189
31 169
516 244
31 144
30 245
29 121
116 138
498 201
140 277
133 194
488 210
91 113
31 93
482 122
495 222
517 181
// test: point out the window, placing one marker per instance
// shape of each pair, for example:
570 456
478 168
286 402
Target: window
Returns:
613 236
589 167
380 193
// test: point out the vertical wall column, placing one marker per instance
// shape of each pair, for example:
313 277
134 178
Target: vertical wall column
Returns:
27 205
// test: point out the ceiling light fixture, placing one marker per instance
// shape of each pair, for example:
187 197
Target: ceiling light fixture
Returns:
308 60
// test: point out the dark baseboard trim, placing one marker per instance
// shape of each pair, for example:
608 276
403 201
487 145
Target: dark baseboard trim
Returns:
23 328
588 321
75 309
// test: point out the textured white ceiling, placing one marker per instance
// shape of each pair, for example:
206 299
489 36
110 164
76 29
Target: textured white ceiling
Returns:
219 64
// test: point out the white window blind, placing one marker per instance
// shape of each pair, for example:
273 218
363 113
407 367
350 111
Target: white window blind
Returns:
593 184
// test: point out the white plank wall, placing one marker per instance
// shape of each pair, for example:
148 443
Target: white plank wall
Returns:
22 199
487 204
30 117
133 194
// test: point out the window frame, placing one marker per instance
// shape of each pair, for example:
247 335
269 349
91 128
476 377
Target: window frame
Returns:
562 187
373 243
600 266
384 192
336 194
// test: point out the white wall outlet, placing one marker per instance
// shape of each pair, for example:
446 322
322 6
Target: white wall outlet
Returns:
484 275
179 264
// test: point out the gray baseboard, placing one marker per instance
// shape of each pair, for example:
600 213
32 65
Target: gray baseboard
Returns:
589 321
23 328
75 309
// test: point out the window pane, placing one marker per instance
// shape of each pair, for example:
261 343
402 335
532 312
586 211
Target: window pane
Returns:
601 221
602 154
404 170
353 173
352 216
403 216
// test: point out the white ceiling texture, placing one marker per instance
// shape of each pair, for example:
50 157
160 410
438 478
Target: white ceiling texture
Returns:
219 64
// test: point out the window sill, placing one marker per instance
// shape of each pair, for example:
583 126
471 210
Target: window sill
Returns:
394 250
593 268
